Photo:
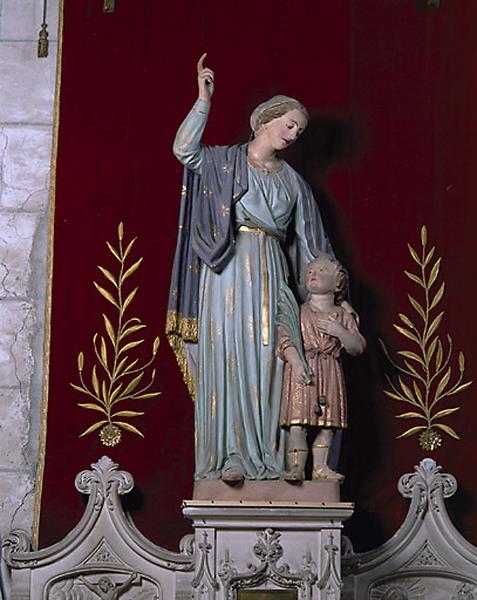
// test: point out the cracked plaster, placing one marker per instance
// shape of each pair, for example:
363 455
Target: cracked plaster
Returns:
17 237
24 167
26 117
14 429
17 326
16 500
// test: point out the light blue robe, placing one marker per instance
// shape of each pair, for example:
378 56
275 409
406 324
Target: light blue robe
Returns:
239 378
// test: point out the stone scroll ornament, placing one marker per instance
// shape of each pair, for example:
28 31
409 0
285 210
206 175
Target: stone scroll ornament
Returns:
117 375
269 552
426 376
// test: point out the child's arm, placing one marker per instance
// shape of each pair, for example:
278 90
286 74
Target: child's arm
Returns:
286 351
298 369
349 336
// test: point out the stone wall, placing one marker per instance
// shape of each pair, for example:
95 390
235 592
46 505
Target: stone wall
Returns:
26 128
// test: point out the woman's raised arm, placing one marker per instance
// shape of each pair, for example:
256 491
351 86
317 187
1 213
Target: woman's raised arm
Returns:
187 147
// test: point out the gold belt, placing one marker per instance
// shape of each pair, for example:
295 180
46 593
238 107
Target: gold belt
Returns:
265 281
258 230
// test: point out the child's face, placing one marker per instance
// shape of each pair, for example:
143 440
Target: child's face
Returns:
321 276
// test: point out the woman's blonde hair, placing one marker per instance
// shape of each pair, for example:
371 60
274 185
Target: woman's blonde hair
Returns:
275 108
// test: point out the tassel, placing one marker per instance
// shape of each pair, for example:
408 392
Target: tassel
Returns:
43 35
43 41
109 6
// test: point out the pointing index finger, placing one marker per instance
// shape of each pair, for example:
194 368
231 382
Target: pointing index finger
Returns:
200 64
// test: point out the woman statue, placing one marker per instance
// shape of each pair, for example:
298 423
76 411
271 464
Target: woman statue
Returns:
248 222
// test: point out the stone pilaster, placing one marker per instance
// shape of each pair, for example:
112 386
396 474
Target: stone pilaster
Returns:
26 128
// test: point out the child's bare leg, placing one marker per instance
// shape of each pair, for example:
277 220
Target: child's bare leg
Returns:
296 454
321 451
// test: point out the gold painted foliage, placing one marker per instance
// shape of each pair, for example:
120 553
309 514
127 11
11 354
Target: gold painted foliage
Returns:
116 376
425 374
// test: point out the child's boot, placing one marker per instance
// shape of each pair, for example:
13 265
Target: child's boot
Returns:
296 460
321 451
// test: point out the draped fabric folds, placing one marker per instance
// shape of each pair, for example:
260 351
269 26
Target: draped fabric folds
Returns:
206 235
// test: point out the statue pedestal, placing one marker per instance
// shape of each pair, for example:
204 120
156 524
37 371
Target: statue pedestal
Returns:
301 491
286 549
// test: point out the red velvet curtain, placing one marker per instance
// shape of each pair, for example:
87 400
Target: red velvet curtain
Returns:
390 147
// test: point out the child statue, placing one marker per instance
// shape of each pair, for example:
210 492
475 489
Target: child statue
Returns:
313 393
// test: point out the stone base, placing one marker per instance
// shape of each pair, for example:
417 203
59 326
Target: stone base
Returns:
267 546
318 491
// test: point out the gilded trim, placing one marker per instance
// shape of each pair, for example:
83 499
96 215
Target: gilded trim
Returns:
265 280
317 423
265 294
257 166
246 229
48 287
180 329
185 327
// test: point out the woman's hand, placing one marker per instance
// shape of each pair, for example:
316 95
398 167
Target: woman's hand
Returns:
205 80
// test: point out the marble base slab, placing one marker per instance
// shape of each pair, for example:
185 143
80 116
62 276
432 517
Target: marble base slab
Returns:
304 491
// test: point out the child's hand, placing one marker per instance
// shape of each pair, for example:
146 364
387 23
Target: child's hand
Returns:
300 375
332 327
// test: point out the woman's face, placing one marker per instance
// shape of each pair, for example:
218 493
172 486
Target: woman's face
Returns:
282 132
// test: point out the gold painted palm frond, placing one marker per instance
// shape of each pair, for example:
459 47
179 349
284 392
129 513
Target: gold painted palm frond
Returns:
426 376
116 377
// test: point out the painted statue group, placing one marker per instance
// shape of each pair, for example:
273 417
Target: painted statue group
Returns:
263 361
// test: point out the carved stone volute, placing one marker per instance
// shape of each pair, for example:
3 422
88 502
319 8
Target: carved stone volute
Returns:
17 541
426 558
104 481
268 548
427 485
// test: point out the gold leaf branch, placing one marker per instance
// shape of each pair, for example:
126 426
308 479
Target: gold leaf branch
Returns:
116 377
425 373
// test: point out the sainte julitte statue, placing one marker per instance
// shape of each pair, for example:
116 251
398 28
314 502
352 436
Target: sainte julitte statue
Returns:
248 222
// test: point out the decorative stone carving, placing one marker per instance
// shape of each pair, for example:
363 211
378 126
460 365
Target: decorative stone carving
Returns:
17 541
426 558
104 587
400 589
187 544
330 580
464 591
101 553
235 545
204 581
269 551
103 481
271 545
428 484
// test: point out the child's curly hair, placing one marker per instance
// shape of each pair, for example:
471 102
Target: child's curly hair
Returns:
342 281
